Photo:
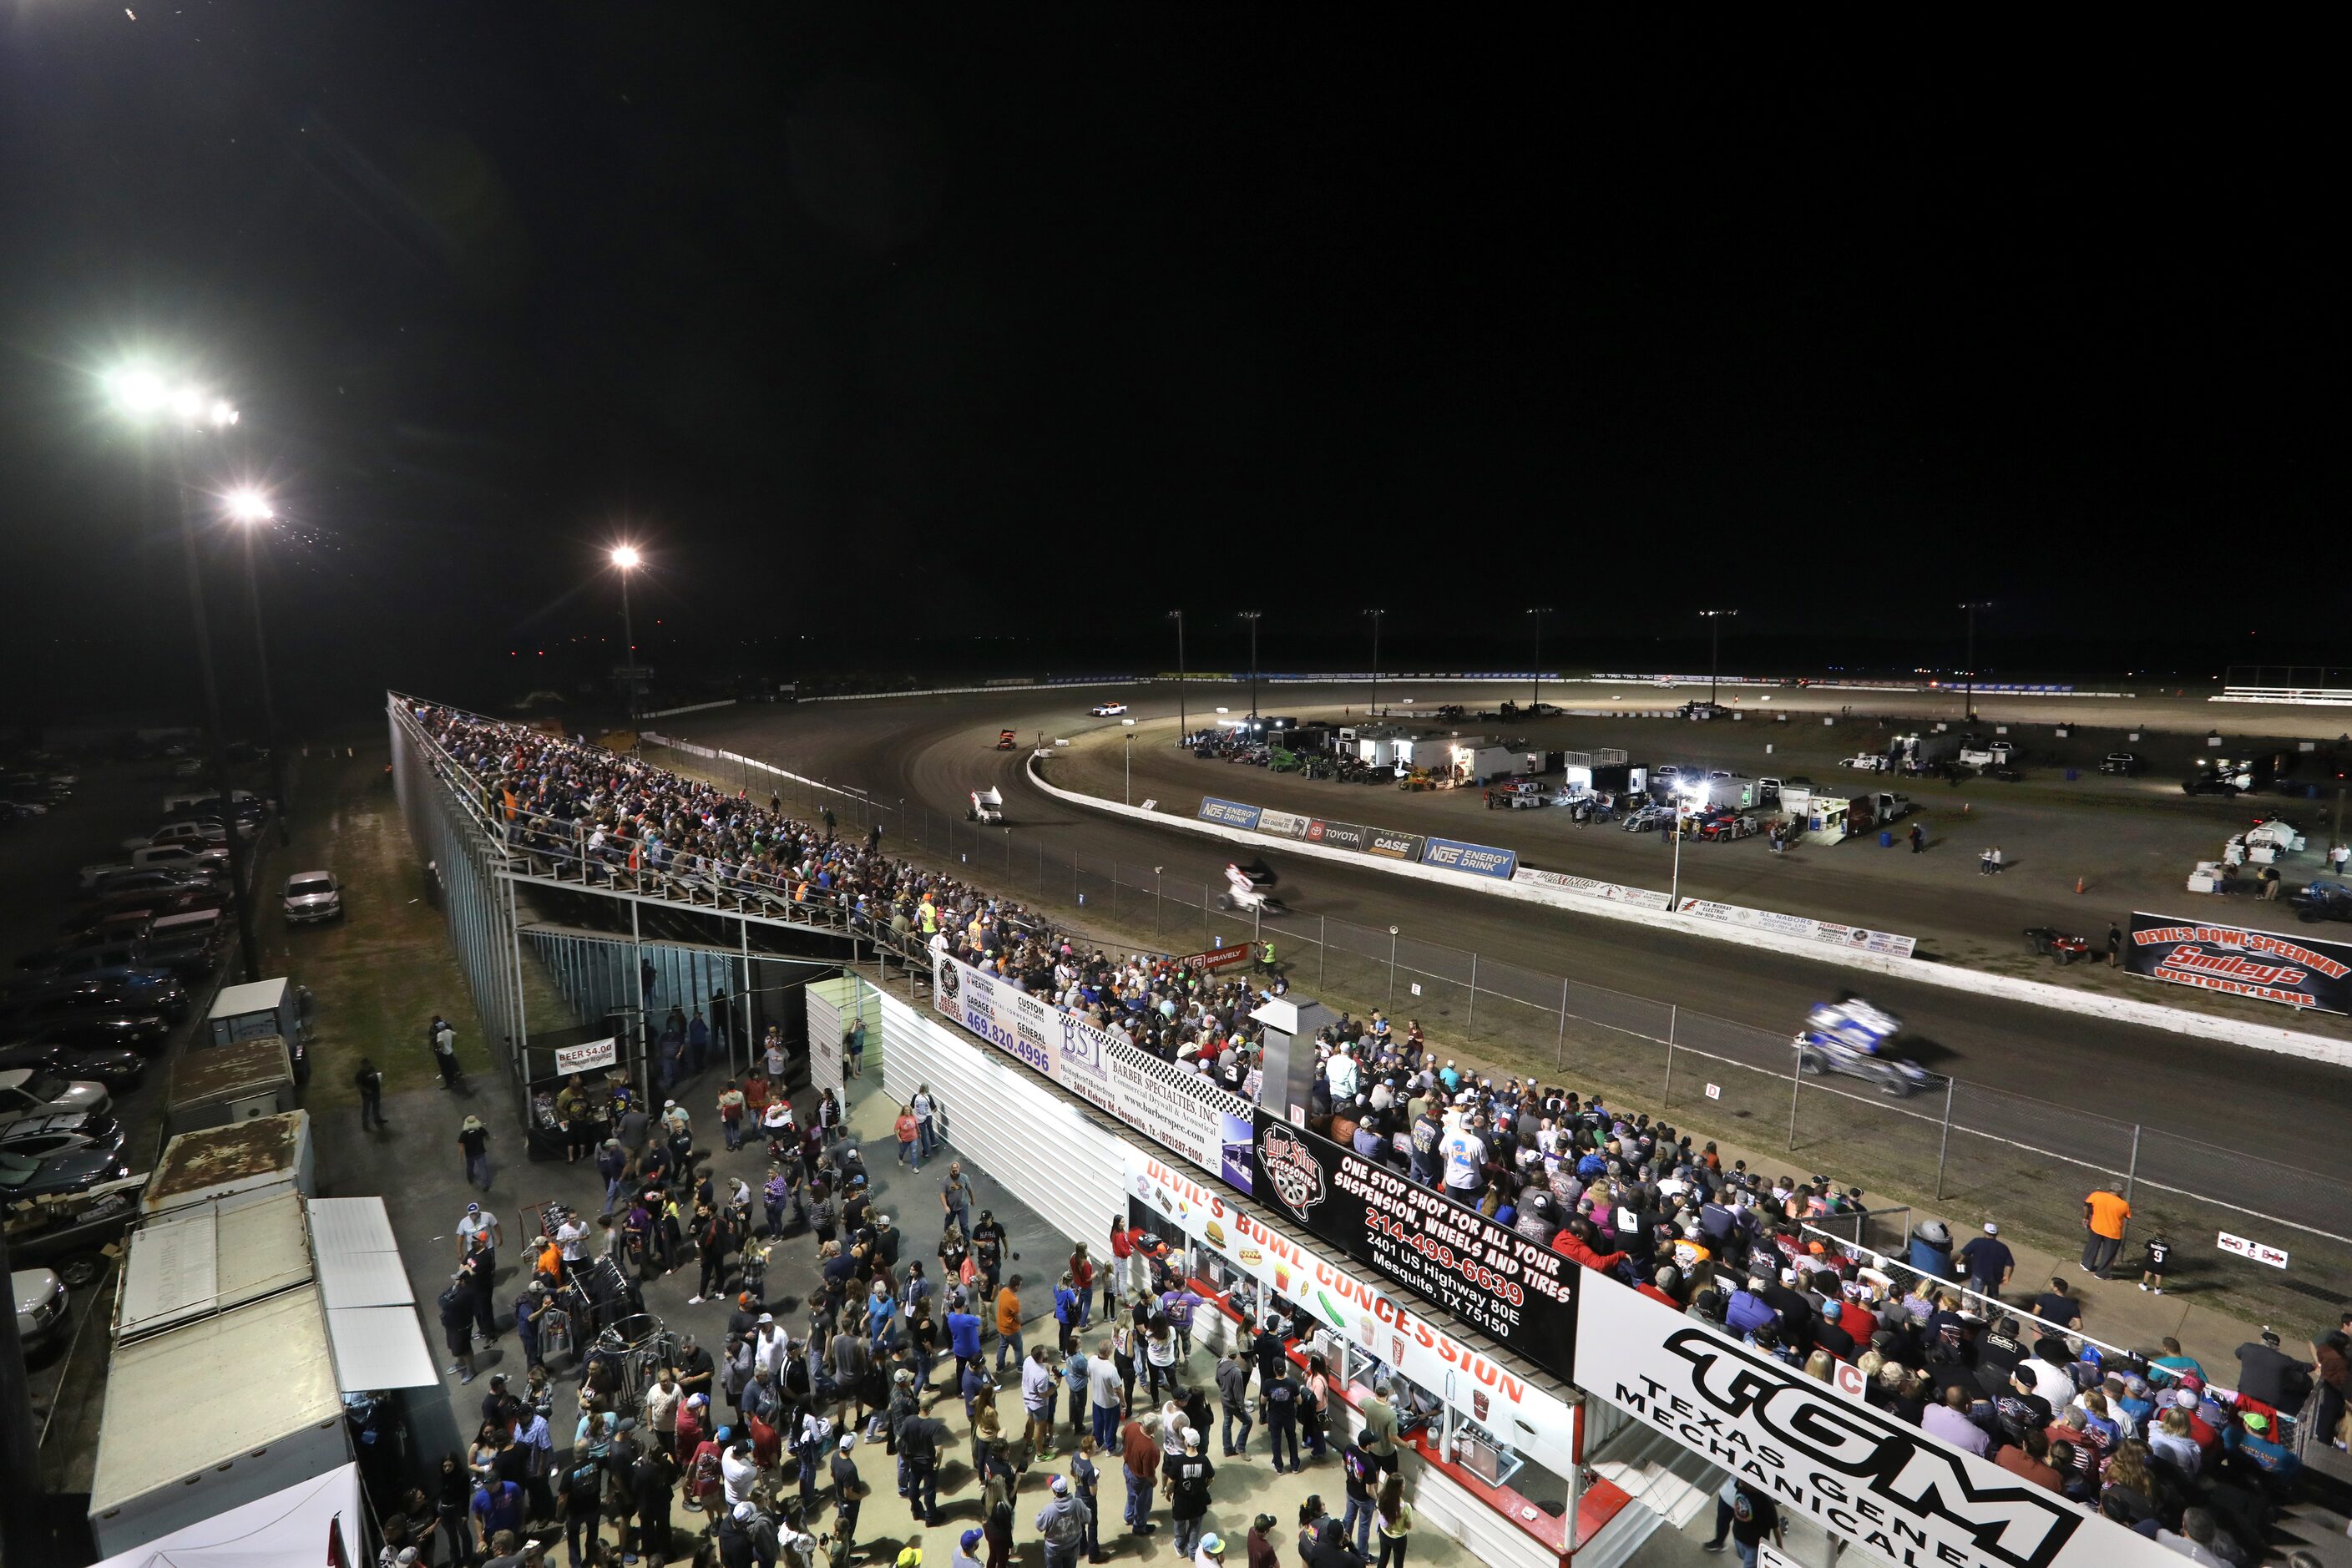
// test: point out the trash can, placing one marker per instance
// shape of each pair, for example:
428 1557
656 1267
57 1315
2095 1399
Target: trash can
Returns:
2072 773
1886 841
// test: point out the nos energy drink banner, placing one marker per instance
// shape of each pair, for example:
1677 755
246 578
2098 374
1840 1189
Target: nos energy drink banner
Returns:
2241 962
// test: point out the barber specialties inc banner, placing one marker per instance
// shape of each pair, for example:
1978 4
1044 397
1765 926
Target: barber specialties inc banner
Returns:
2295 971
1488 1276
1856 939
1177 1109
1863 1474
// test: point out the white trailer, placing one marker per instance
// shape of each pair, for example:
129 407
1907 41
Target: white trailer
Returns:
1981 754
1701 793
1475 762
245 1161
215 1414
249 1012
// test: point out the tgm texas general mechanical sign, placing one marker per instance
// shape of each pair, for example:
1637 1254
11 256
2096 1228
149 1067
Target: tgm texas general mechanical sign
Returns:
1861 1474
2241 963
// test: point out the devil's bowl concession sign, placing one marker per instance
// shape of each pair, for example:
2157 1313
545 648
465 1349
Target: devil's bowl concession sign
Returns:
1860 1473
1180 1111
1488 1276
2241 962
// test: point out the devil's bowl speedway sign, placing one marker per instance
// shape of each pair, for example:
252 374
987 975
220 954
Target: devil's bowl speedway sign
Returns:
1180 1111
2241 962
1860 1473
1496 1395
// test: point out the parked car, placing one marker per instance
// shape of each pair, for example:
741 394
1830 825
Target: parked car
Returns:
42 1137
142 1032
159 857
41 1315
114 1068
2124 765
312 896
115 958
201 833
26 1093
2206 784
23 1178
129 991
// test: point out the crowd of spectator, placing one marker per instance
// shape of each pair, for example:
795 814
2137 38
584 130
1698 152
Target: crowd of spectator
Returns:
2148 1440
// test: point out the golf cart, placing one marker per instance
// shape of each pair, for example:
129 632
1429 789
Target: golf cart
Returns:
1851 1036
987 805
1249 887
2051 942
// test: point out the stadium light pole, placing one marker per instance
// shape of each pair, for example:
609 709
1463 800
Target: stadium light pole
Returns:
1127 726
250 510
1253 617
1713 619
1374 707
625 559
1969 703
1537 616
181 414
1183 725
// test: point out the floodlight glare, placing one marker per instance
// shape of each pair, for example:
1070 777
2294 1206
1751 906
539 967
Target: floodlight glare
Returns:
250 506
624 556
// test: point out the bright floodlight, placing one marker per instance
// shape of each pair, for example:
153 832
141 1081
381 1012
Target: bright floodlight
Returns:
250 506
624 556
136 390
188 403
222 414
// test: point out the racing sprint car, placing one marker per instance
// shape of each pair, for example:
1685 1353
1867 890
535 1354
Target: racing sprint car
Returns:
1851 1036
1249 886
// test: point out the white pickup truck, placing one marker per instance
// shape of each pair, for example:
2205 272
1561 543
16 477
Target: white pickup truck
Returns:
1996 754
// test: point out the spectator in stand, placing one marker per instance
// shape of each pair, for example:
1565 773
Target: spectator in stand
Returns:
2058 1307
2270 1377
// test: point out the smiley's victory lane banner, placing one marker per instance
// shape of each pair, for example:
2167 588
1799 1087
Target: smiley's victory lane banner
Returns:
1492 1280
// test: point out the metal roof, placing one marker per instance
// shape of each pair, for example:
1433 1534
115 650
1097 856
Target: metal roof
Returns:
371 1319
260 996
209 1260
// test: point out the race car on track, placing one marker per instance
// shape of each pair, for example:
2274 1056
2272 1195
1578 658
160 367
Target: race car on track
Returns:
1006 740
1249 885
1851 1036
1108 710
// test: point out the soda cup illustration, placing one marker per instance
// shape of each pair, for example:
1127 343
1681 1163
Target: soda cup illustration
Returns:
1370 1331
1478 1405
1396 1350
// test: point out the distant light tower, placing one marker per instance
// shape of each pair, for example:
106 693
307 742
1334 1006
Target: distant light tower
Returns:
1714 619
1968 710
250 508
1182 726
1537 614
626 559
1374 709
1253 617
181 414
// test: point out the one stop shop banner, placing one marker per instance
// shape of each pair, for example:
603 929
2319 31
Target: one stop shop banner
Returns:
2292 971
1486 1275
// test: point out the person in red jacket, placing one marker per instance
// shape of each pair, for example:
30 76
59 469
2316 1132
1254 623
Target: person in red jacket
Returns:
1122 1246
1574 1242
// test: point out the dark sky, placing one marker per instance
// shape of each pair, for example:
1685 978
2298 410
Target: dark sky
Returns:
879 322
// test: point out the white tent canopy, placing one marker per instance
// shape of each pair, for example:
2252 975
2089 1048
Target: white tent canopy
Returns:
295 1527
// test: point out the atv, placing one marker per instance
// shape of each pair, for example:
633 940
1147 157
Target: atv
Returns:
2049 942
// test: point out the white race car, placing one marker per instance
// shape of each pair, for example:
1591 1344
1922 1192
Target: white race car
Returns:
1108 710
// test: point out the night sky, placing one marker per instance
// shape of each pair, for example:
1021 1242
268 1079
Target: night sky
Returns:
874 324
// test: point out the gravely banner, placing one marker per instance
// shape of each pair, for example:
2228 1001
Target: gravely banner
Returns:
1860 1473
1182 1111
1487 1274
2240 962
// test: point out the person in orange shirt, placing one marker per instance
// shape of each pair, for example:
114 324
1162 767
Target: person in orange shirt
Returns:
2103 1216
1008 1324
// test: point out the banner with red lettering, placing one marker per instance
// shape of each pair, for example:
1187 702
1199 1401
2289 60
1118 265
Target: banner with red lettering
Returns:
2294 971
1362 1318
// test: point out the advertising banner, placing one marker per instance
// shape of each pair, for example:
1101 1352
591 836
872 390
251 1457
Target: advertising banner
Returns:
1283 823
1338 835
1486 1275
1454 856
1495 1395
1854 938
1197 1120
1392 846
587 1058
1616 892
1216 957
1864 1475
2292 971
1229 813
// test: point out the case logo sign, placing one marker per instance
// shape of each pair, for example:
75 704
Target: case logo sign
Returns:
1297 1174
